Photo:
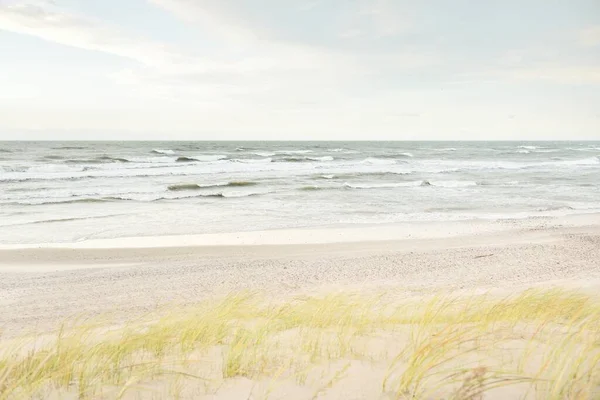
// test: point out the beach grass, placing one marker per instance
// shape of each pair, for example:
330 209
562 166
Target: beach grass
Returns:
538 344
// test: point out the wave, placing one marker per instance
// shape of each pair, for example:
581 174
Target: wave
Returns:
582 162
113 159
66 201
195 186
529 147
185 159
589 148
390 185
86 161
201 158
150 160
377 161
305 159
216 195
329 176
253 160
292 152
5 151
382 185
53 157
523 151
450 184
264 154
49 168
70 148
311 188
325 158
161 151
336 150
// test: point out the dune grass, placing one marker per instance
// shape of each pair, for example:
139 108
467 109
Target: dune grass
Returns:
539 344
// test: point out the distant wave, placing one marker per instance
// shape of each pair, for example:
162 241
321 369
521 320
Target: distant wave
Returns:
293 151
97 160
390 185
305 159
311 188
185 159
161 151
194 186
264 153
377 161
70 148
450 184
152 160
528 147
53 157
55 220
5 151
253 160
217 195
590 148
382 185
583 162
397 155
201 158
113 159
523 151
66 201
50 168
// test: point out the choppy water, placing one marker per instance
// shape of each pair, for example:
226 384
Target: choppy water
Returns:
71 191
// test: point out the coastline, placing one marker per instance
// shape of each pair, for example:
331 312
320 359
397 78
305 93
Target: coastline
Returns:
44 285
348 233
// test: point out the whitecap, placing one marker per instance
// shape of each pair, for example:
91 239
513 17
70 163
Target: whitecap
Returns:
161 151
254 160
388 185
293 151
160 160
210 157
453 184
377 161
325 158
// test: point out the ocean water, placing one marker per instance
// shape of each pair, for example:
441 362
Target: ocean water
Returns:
73 191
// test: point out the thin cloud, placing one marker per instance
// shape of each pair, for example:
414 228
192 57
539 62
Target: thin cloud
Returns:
590 37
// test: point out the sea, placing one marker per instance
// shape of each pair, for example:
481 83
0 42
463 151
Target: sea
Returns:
57 192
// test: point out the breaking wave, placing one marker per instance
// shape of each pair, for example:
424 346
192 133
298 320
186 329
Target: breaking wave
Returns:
195 186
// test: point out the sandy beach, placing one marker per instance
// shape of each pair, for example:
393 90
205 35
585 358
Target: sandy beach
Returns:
310 336
42 285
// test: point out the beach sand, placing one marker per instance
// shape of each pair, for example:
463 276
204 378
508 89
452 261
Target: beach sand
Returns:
40 286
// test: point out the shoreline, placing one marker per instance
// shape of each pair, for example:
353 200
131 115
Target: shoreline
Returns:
39 287
350 233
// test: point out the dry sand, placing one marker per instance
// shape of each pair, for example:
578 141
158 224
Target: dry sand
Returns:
41 285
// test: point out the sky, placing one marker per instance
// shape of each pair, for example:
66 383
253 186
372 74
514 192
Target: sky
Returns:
300 70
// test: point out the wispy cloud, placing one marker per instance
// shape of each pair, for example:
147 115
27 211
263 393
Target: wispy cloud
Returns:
44 21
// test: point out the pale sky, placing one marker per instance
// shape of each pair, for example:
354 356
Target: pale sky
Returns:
311 69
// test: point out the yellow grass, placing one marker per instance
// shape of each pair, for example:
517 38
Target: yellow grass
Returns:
537 344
